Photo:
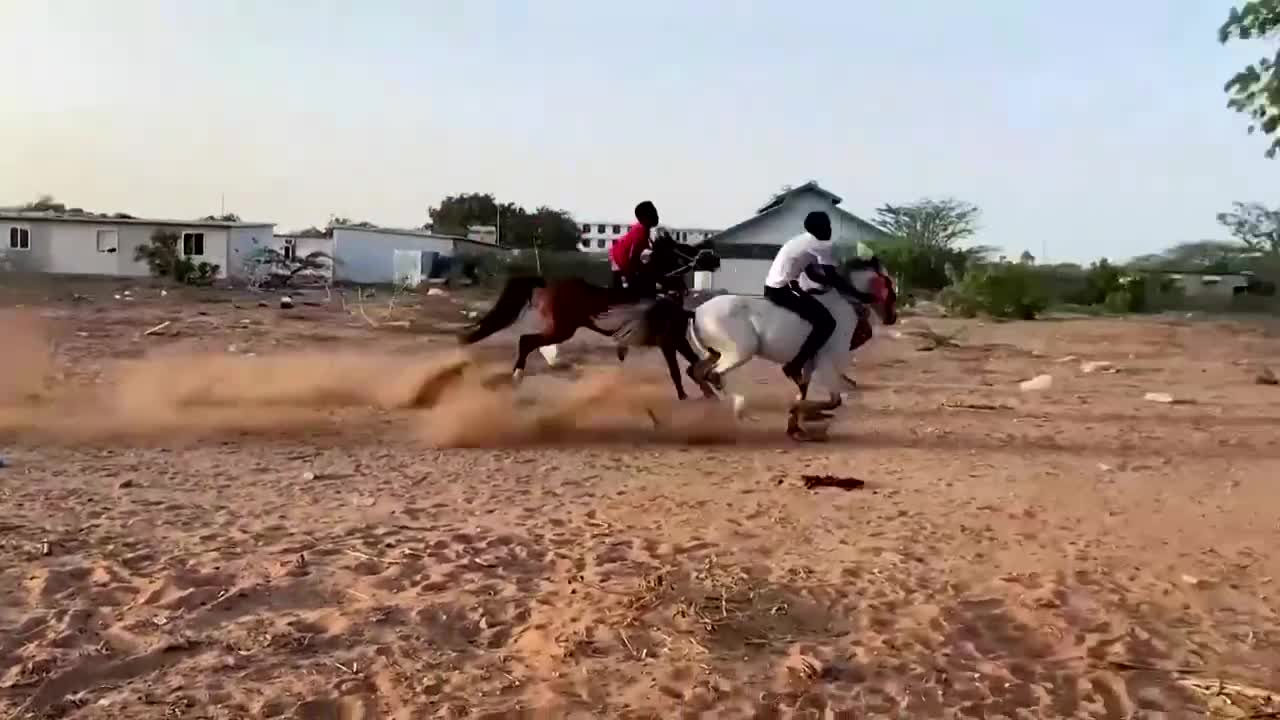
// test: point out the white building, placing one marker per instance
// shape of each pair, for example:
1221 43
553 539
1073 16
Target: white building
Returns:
89 244
598 237
487 234
376 256
747 249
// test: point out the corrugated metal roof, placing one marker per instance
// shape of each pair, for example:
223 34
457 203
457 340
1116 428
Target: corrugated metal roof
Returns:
45 216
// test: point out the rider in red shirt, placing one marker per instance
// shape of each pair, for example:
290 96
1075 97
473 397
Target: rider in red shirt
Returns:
625 254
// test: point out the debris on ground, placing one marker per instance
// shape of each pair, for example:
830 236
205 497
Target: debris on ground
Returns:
159 328
1067 359
1039 382
965 405
1094 366
835 481
1266 377
286 303
1159 397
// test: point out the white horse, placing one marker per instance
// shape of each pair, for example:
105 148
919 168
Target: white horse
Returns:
730 330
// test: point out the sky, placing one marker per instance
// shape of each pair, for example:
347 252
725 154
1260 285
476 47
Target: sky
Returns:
1080 129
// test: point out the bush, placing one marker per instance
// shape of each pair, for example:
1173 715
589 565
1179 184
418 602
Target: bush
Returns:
164 261
1001 290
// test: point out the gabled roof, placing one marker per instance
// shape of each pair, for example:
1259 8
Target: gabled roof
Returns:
812 187
50 216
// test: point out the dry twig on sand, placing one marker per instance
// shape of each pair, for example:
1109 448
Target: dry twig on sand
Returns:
844 483
934 339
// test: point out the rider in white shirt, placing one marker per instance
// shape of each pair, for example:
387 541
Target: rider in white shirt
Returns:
807 254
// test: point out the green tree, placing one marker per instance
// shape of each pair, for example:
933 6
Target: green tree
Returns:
1255 226
1255 90
164 261
45 202
930 223
924 253
545 227
458 212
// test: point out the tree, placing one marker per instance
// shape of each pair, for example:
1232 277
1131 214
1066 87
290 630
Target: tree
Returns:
1255 226
348 222
1255 90
226 217
545 227
45 203
1206 255
1027 258
930 223
271 267
458 212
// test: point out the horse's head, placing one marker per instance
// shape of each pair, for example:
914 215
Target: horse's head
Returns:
870 277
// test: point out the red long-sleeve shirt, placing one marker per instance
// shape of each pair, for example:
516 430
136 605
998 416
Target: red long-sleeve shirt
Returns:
625 253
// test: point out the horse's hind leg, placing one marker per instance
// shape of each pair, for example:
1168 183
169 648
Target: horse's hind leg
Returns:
530 342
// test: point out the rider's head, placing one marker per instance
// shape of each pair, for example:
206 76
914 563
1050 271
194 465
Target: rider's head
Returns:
818 225
647 214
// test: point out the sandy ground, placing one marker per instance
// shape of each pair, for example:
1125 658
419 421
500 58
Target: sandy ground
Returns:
256 513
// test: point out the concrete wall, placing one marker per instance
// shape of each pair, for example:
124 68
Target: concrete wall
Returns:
367 256
242 243
71 248
740 277
1194 285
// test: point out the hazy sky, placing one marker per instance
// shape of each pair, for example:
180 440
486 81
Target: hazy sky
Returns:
1092 128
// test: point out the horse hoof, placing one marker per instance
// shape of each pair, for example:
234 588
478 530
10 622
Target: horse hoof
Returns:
653 419
517 376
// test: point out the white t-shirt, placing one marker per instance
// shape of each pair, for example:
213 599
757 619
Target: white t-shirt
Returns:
794 256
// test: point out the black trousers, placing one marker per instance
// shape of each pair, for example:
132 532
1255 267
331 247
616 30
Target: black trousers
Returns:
812 311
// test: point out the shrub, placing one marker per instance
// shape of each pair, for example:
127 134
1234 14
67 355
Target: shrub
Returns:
1000 290
164 261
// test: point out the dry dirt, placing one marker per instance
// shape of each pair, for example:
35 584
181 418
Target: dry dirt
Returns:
255 512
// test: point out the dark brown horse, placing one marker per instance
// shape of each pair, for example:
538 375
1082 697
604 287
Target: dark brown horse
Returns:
564 306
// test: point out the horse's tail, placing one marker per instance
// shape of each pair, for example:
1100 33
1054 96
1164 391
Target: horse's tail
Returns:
515 295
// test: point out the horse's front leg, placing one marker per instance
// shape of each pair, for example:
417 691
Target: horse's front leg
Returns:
686 350
673 367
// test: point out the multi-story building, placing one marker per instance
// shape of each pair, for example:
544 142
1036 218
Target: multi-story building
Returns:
600 236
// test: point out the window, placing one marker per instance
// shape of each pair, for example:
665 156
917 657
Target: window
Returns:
586 228
617 229
290 252
615 242
586 242
600 229
108 241
19 238
600 243
192 243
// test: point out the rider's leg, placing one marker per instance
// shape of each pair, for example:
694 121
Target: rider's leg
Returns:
811 310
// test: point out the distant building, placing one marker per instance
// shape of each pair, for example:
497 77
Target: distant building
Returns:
381 256
487 234
1200 284
747 249
92 244
598 237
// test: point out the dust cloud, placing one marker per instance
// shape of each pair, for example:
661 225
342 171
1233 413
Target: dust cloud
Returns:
449 399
